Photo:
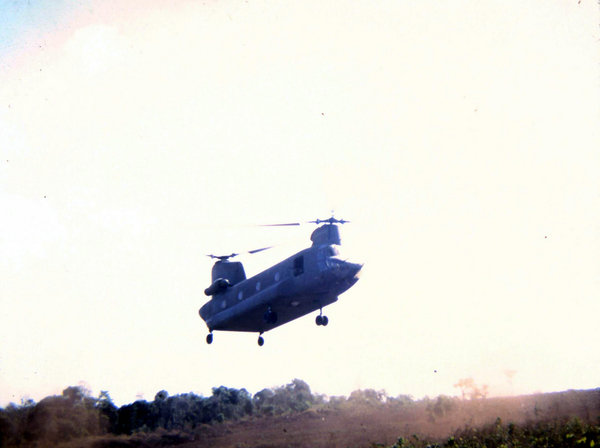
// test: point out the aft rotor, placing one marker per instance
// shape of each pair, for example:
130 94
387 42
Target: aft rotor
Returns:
233 255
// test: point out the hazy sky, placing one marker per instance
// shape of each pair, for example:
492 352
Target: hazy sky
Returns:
460 138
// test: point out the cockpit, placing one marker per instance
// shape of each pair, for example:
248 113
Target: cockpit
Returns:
328 257
331 251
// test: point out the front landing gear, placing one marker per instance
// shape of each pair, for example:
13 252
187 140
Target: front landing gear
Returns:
261 341
321 320
209 338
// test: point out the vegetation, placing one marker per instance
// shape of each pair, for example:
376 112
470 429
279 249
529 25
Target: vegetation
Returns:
571 433
291 415
77 414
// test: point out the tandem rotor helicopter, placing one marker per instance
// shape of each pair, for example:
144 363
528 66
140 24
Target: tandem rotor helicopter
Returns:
305 282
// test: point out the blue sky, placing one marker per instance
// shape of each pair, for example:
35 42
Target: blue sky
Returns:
25 24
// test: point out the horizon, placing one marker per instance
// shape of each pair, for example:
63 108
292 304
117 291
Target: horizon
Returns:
84 387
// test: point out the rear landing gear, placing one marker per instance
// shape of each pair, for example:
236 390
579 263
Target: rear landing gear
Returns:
321 320
209 338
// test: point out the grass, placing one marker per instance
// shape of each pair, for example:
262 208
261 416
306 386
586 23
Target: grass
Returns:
566 419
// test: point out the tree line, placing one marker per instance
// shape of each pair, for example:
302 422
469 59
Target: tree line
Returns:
76 413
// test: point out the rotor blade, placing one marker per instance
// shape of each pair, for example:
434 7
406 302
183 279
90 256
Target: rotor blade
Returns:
222 257
227 257
259 250
280 225
331 220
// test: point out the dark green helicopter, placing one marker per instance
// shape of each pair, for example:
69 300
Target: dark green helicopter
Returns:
305 282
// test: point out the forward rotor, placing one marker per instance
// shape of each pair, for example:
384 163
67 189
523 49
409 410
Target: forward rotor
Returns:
329 221
227 257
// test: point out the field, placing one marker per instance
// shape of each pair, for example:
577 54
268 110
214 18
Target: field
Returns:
365 419
383 425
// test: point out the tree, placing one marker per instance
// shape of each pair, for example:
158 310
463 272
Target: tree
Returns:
227 403
74 394
139 415
299 395
401 399
58 419
441 407
161 396
470 389
263 401
367 396
293 397
108 413
465 384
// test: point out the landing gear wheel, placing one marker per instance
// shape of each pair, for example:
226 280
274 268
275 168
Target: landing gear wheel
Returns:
261 341
209 338
321 320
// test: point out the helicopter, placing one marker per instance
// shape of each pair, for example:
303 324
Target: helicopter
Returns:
301 284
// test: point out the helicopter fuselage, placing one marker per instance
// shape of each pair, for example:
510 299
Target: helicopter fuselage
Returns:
305 282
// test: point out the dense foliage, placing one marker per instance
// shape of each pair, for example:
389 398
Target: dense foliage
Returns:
77 414
75 417
551 434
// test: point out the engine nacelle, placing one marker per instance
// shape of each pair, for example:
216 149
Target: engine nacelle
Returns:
218 286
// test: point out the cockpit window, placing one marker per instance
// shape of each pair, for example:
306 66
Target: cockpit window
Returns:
326 253
332 251
329 251
334 262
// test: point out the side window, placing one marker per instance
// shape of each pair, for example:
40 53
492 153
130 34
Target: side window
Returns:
298 265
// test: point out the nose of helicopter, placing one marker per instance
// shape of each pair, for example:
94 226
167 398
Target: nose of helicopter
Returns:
354 270
347 271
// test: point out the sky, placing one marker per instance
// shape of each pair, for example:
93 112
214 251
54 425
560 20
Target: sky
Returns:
461 139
